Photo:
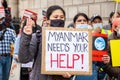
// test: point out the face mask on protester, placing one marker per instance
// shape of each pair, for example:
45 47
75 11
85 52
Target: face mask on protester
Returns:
57 23
100 25
82 26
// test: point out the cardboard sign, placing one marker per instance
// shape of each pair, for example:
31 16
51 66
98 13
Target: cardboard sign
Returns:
66 50
115 52
28 14
99 46
2 12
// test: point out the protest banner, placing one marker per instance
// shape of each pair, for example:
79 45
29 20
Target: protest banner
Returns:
66 50
99 46
28 13
115 52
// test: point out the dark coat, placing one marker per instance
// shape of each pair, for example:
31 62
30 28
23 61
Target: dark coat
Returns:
111 71
28 48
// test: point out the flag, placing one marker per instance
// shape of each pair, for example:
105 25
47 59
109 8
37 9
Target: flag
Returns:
116 0
28 14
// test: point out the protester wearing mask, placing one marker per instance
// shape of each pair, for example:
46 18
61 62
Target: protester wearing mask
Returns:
113 72
97 25
8 18
96 21
81 21
112 17
55 18
7 37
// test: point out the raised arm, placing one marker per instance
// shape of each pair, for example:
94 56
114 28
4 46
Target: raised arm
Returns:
28 43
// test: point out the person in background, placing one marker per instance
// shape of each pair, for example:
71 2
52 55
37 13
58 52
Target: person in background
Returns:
112 17
25 69
7 37
113 72
8 18
81 21
28 44
97 24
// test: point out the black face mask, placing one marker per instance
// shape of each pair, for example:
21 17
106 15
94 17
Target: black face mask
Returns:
57 23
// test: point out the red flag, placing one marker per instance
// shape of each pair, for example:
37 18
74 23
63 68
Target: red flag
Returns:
28 14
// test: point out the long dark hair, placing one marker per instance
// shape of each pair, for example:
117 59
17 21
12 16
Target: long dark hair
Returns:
80 14
5 4
53 8
111 15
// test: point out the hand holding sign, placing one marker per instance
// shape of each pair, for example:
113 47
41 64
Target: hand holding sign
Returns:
28 28
67 75
106 59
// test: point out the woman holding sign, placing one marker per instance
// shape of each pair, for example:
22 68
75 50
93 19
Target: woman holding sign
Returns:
28 48
113 72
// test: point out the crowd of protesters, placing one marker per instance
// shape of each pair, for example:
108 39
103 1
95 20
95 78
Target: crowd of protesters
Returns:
26 37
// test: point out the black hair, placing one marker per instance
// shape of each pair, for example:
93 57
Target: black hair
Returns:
80 14
53 8
71 25
96 17
5 5
111 15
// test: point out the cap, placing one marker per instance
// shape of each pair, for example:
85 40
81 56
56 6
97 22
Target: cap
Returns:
95 16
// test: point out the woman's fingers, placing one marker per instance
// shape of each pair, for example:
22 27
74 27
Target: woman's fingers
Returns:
106 59
66 75
28 27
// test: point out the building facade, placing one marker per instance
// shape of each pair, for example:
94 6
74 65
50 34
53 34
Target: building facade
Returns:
72 7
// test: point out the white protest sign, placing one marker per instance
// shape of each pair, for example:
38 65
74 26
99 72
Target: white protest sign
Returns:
66 50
